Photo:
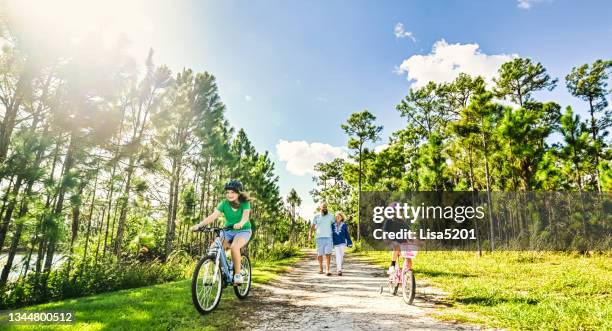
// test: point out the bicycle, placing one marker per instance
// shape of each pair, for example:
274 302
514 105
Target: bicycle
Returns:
214 272
403 276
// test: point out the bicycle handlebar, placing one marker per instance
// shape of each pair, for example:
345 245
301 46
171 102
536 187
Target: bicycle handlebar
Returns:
214 229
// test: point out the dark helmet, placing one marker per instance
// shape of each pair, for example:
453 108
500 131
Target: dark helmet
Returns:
234 185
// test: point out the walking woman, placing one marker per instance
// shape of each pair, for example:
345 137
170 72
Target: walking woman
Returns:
341 239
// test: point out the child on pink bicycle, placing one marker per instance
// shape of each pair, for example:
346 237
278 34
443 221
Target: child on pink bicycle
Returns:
399 245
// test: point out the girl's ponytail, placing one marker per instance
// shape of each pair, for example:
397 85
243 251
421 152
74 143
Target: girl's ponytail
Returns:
243 197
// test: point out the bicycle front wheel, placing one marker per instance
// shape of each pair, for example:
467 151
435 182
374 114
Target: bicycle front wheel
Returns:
243 289
408 286
206 285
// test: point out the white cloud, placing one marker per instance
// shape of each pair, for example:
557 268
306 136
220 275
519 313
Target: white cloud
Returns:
400 32
301 156
446 61
380 148
524 4
527 4
248 98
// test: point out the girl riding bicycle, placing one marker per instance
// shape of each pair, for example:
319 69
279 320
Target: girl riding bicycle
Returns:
391 225
236 210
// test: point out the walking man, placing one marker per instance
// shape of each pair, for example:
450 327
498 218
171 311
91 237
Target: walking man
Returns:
323 224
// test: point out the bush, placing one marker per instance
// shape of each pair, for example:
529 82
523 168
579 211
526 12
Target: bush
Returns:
359 246
91 277
286 250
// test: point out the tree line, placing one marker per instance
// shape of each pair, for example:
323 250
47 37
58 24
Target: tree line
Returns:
470 135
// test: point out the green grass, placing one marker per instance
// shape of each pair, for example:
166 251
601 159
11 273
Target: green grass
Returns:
520 290
160 307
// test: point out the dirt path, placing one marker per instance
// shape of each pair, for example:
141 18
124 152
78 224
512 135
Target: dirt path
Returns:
302 299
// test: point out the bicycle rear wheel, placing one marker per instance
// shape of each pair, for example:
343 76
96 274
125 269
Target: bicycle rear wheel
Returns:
243 289
408 286
206 285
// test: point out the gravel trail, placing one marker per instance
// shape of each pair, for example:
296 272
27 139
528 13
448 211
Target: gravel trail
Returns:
303 299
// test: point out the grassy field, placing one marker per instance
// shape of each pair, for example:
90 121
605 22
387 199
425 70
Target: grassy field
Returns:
159 307
514 290
520 290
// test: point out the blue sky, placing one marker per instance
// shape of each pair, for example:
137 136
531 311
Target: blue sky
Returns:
294 71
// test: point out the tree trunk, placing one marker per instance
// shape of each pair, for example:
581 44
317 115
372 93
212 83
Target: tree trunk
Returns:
99 232
292 223
111 241
176 199
209 199
42 243
170 226
124 208
488 177
6 220
7 194
111 188
204 189
594 133
108 208
11 255
473 190
59 206
10 115
89 217
359 194
76 213
17 235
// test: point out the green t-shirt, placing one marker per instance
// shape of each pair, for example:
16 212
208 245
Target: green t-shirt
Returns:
233 216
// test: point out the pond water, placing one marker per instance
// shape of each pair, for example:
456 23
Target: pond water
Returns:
20 260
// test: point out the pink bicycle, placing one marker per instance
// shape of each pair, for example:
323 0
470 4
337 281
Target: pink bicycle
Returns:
403 276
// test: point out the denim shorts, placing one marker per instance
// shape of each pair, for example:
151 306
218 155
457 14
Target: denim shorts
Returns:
229 235
324 246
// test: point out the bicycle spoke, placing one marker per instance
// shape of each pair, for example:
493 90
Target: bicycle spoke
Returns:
246 275
206 298
202 291
206 272
202 295
206 292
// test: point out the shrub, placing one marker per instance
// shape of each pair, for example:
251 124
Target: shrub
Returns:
90 277
359 246
283 251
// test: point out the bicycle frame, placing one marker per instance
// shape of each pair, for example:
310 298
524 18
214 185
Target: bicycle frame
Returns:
398 276
221 275
218 250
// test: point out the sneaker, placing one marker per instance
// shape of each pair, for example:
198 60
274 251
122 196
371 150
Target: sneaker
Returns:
238 279
391 270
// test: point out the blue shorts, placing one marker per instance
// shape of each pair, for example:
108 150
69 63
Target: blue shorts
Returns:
324 246
229 235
